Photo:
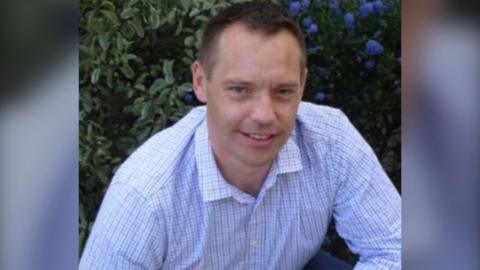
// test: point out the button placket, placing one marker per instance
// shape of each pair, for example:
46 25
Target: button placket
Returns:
256 230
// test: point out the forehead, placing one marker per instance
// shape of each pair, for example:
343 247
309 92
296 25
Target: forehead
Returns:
252 52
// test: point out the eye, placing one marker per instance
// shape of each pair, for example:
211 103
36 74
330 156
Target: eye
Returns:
237 90
285 92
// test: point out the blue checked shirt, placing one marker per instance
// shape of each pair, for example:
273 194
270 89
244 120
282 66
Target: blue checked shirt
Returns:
168 206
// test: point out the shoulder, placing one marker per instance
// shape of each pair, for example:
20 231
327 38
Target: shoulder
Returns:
153 165
322 124
328 131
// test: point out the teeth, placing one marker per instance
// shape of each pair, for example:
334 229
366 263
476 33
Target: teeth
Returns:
259 137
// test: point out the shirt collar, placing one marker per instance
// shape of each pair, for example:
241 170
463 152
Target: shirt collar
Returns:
289 158
212 184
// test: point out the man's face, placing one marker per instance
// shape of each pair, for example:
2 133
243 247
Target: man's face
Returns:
252 94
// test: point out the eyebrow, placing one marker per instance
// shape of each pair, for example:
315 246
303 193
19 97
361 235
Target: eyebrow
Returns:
288 85
237 82
247 83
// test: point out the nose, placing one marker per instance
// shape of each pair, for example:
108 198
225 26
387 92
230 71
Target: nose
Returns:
263 112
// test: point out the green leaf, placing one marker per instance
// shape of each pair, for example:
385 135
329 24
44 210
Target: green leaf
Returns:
129 56
207 5
189 41
95 75
109 5
171 17
154 19
110 15
140 87
162 98
86 102
189 53
167 71
137 25
187 61
194 12
128 12
96 26
198 35
158 85
128 30
185 4
103 41
83 217
144 134
132 3
90 16
179 28
110 78
184 88
127 71
130 93
201 18
145 112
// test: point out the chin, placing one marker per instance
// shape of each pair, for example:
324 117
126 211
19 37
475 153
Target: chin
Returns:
258 160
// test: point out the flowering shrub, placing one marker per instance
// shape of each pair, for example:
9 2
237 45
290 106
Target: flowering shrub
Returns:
354 64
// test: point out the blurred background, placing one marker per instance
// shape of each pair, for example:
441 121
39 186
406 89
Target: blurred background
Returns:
440 153
81 84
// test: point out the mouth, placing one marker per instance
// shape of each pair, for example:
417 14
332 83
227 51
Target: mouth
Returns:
260 140
259 137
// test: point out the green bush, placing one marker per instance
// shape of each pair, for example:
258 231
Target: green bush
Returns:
135 78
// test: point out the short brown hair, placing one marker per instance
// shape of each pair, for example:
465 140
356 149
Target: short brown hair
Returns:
263 17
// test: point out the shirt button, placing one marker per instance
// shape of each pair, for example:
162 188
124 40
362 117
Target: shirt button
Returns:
253 243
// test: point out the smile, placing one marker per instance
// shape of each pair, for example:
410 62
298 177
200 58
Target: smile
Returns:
259 140
259 137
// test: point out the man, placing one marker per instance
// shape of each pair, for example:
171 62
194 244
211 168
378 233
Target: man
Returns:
253 180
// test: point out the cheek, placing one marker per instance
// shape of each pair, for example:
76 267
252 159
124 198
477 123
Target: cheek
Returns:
225 119
288 114
231 114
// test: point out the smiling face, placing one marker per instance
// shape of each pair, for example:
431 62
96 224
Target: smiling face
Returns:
252 94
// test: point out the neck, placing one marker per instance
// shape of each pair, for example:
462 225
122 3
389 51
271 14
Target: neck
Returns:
248 179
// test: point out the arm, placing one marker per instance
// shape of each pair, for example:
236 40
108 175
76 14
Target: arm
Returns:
367 209
127 233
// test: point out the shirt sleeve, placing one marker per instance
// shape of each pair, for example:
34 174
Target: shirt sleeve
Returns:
367 209
127 233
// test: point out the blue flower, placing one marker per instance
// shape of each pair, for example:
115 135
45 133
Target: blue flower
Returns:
377 6
307 22
312 29
349 20
305 3
295 7
361 2
366 9
188 98
320 97
314 49
358 58
333 4
318 3
373 47
369 64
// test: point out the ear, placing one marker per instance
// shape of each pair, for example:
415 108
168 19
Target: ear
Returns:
304 78
198 76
